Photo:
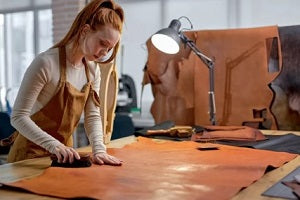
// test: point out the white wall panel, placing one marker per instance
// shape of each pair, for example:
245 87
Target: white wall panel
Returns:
142 19
204 14
269 12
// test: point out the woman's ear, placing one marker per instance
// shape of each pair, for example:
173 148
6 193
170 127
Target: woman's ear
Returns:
85 29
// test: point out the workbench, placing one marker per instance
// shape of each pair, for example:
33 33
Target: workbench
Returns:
33 167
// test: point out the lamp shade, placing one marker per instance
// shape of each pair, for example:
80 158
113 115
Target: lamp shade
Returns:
167 40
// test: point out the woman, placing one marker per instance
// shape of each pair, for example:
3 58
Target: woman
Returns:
61 83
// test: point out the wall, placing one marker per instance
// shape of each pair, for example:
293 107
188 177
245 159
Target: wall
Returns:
64 13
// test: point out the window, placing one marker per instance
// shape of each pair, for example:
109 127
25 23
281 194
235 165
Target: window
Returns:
25 31
20 45
45 35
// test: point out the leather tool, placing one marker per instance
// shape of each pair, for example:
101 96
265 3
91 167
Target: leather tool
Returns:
84 161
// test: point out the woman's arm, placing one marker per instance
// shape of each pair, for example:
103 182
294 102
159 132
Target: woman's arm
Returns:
35 78
92 117
93 127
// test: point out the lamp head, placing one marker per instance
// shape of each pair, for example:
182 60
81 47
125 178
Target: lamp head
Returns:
167 40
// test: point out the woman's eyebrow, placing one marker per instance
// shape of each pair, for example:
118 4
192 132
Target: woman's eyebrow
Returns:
106 42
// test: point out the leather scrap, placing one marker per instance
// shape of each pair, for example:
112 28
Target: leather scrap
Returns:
285 143
281 188
168 130
176 131
225 133
294 185
160 170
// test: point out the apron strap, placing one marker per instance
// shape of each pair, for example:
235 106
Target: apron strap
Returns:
92 92
9 140
62 63
87 72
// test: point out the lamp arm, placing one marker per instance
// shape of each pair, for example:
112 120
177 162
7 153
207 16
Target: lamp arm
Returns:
206 60
210 65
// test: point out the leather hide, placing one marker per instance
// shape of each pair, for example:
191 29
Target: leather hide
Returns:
287 85
160 170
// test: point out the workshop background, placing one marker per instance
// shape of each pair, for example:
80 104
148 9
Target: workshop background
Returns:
28 27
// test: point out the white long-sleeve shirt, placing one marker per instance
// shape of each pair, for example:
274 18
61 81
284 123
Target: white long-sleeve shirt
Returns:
39 85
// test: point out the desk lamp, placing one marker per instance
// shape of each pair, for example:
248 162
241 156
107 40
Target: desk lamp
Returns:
168 41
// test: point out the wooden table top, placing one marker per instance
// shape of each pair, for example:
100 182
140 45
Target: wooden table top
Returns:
33 167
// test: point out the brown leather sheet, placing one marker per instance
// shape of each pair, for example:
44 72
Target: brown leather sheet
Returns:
160 170
238 133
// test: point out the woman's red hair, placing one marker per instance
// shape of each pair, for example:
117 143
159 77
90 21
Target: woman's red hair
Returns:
97 13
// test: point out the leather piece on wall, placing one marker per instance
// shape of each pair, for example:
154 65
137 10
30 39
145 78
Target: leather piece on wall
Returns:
287 84
160 170
242 76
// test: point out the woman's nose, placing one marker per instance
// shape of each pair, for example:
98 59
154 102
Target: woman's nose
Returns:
104 51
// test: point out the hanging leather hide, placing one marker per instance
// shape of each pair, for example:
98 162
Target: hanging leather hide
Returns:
287 84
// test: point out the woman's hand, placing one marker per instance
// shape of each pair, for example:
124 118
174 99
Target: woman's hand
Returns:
104 158
65 154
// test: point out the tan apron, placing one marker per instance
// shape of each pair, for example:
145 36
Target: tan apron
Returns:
59 117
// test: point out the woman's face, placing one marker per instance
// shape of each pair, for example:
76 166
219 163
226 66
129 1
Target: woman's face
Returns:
96 44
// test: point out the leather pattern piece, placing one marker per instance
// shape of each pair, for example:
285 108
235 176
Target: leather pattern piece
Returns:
231 133
160 170
242 75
